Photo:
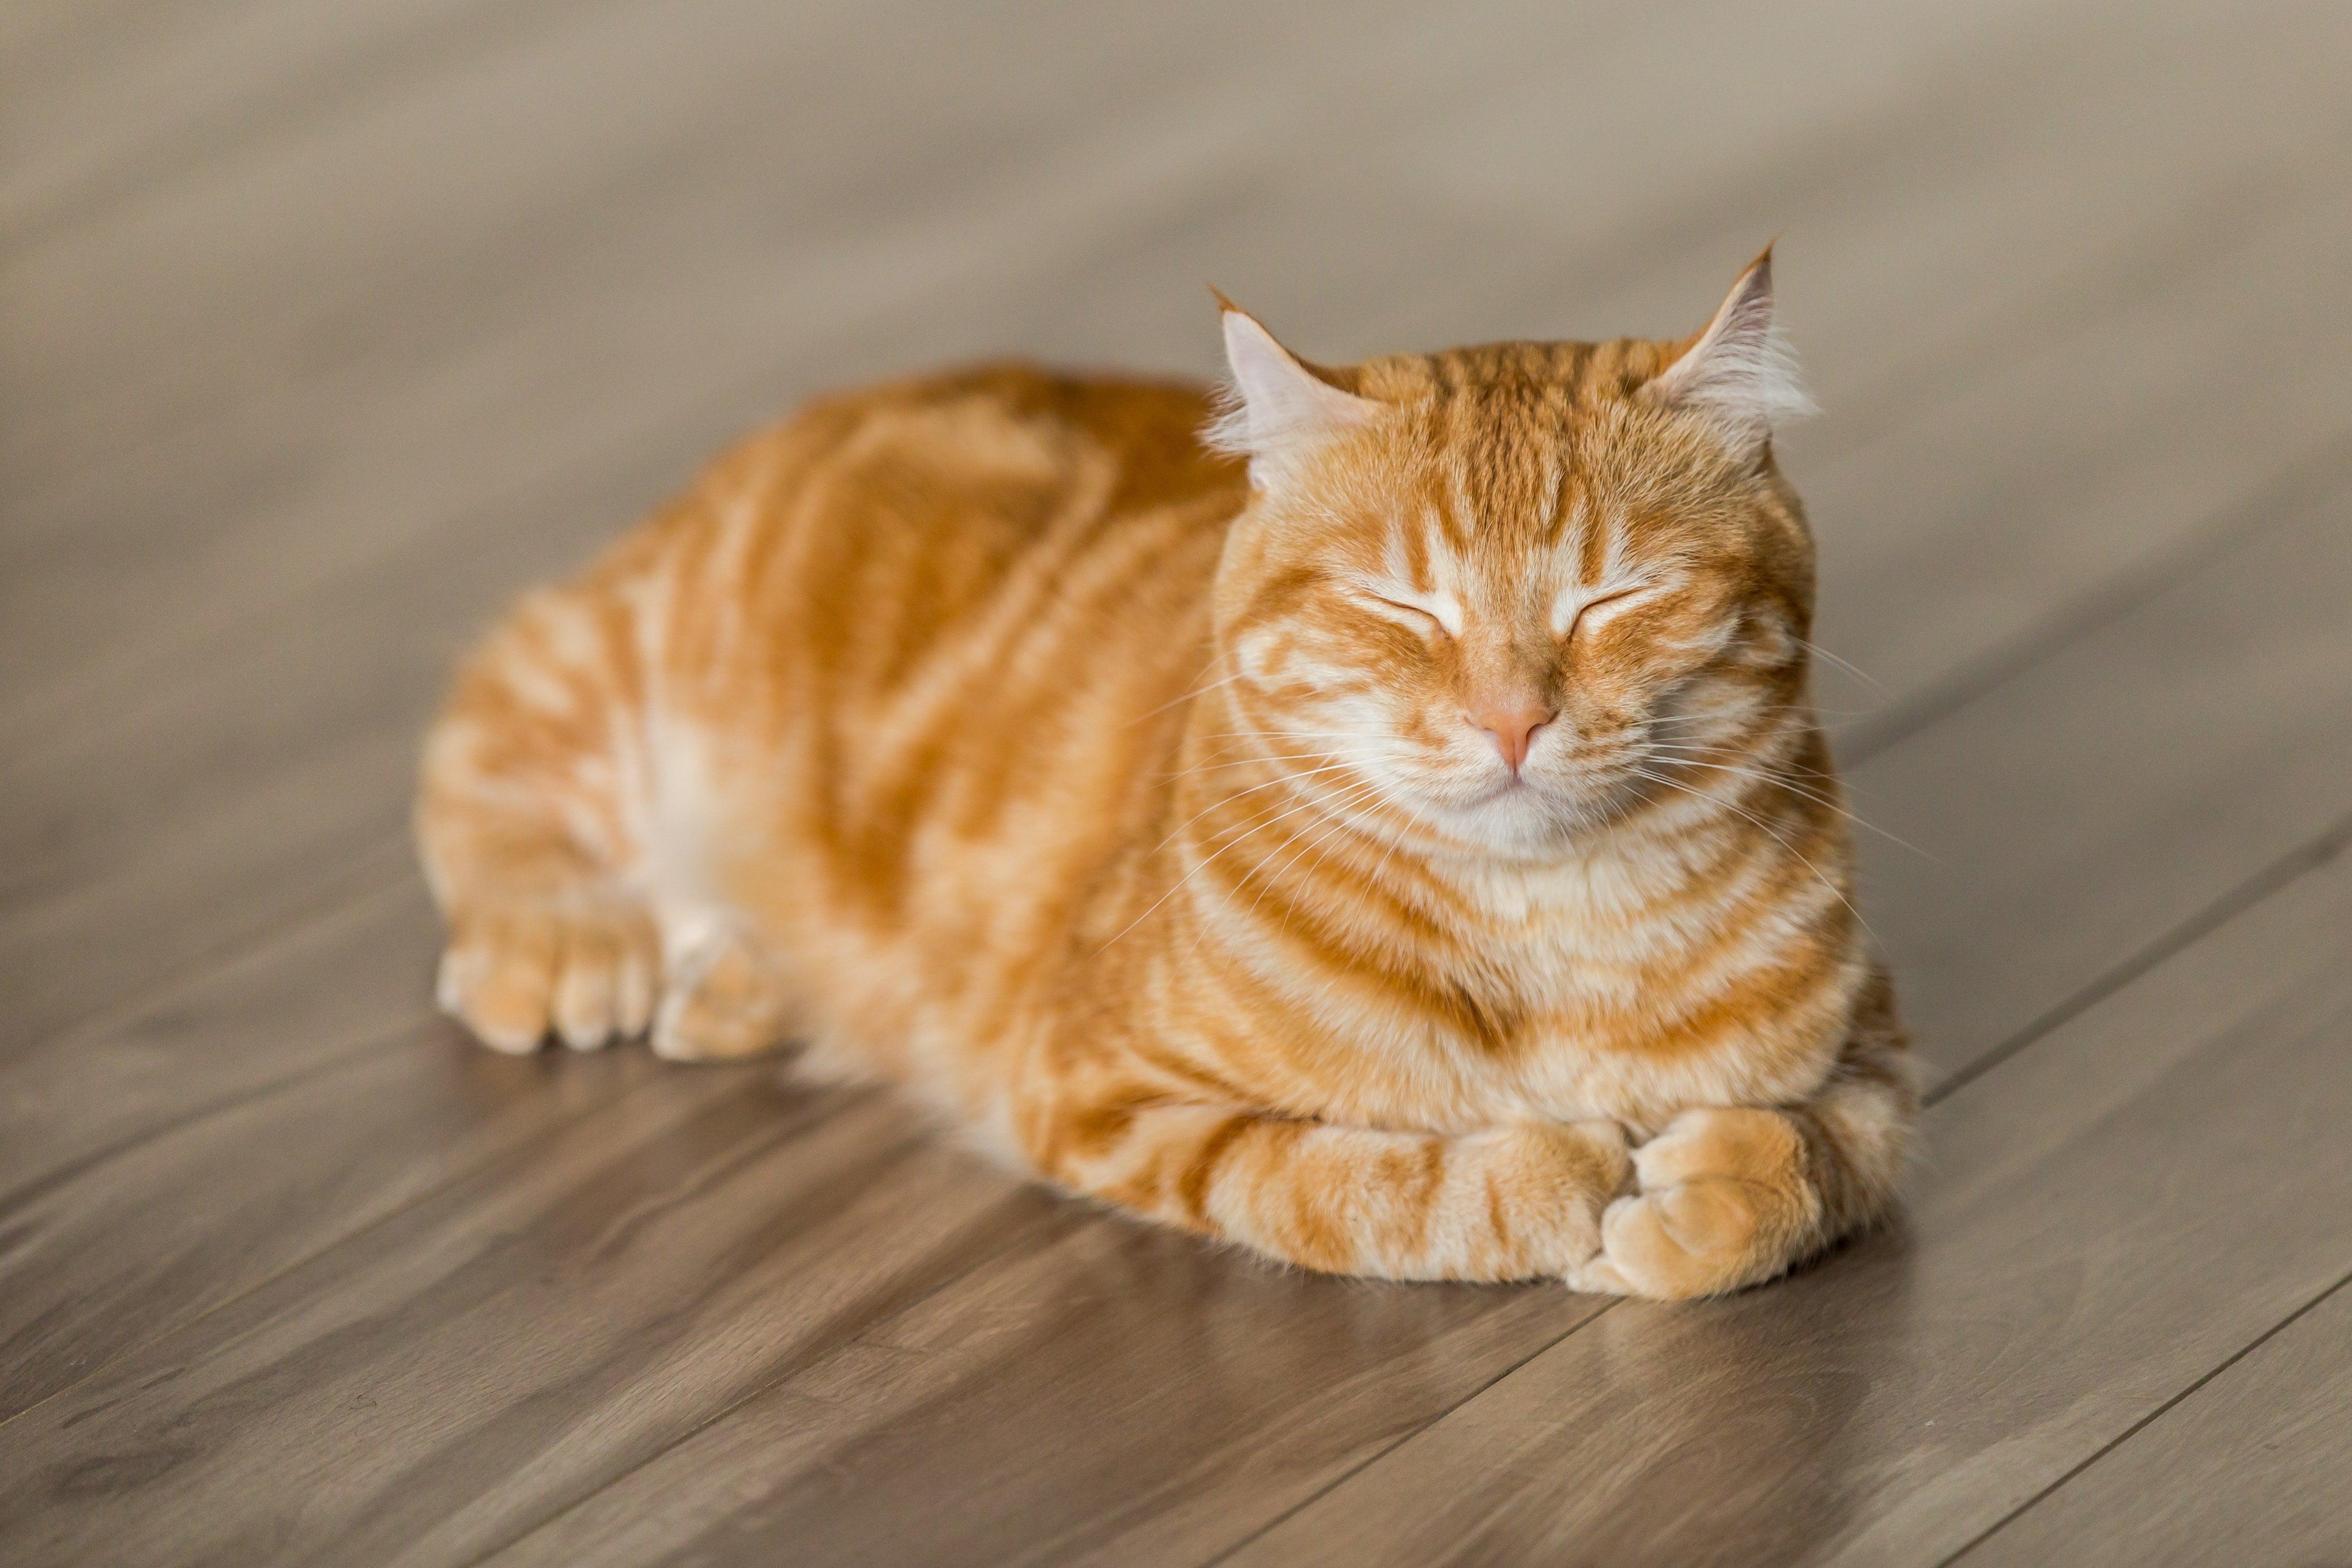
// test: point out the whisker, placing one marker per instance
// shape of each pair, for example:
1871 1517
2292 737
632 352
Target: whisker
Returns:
1211 855
1342 805
1285 735
1339 802
1338 822
1765 828
1244 762
1196 691
1825 802
1240 794
1848 665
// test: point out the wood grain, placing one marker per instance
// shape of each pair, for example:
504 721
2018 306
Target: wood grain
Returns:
2206 720
2106 1219
586 1300
108 101
159 1164
2247 1467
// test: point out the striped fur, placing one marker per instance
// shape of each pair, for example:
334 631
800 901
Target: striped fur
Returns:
990 734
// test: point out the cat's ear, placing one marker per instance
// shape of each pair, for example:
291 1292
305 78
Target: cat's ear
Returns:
1738 373
1275 408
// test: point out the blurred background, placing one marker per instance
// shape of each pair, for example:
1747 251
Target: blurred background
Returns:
327 325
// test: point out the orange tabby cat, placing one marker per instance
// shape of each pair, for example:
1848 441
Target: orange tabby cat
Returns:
1406 851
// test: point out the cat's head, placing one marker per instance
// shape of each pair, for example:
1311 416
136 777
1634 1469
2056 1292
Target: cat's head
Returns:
1515 589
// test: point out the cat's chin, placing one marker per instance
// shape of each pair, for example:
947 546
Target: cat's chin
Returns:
1526 819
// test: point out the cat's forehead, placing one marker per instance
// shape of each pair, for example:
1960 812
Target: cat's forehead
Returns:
1506 467
1488 382
1504 430
1468 539
1505 471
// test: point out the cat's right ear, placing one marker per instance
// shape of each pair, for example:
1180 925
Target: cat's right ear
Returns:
1275 407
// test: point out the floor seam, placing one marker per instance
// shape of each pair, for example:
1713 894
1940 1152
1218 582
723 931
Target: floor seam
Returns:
2148 1420
1353 1471
2308 857
424 1194
2314 475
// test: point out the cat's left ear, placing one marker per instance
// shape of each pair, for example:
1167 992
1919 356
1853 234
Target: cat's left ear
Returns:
1738 373
1278 408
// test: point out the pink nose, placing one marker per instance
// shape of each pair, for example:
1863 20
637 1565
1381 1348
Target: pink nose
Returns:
1513 727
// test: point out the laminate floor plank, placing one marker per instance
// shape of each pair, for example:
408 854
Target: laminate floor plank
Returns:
746 186
2247 1468
426 340
155 1166
377 491
319 990
545 1319
2110 782
2111 1216
115 99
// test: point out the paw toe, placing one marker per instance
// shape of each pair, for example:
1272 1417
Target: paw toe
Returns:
1713 1142
503 974
515 976
1722 1203
1692 1239
583 995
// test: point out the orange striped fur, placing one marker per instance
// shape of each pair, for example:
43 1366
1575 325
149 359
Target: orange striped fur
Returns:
1390 834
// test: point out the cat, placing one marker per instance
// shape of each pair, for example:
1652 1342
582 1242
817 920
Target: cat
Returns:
1379 821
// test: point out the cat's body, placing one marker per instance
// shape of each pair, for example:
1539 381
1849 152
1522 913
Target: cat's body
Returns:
1247 856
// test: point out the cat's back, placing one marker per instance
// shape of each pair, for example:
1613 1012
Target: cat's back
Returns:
940 624
998 453
954 599
885 522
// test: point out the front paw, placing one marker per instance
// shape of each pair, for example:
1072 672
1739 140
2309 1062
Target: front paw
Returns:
726 1002
583 970
1723 1202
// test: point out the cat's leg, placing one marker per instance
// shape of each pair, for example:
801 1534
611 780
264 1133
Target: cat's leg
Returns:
1733 1196
531 819
1509 1203
570 912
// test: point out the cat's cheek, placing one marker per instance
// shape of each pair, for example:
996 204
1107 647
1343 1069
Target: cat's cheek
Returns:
1625 691
1265 657
1765 641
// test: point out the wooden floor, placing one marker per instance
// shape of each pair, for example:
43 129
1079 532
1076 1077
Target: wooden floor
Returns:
327 324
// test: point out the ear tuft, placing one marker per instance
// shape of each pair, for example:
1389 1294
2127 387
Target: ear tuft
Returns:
1739 373
1275 409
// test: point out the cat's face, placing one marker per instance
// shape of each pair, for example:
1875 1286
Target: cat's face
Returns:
1512 591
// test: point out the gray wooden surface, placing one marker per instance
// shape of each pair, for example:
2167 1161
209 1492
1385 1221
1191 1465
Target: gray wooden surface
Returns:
327 324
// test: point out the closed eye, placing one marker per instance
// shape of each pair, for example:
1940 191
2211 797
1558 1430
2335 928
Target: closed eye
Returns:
1595 612
1420 617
